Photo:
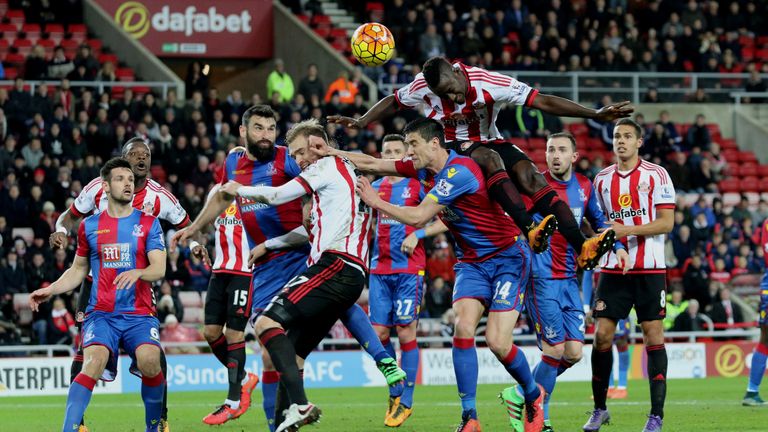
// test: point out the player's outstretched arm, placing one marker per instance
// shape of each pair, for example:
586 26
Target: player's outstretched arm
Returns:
64 225
418 216
213 207
558 106
431 230
268 194
383 109
71 279
363 162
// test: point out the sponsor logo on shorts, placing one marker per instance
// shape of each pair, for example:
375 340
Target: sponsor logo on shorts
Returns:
600 305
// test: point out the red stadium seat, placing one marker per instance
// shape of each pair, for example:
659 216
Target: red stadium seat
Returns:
729 185
15 60
747 156
125 74
748 170
537 144
11 73
323 32
520 142
577 129
77 32
728 144
749 184
762 172
761 53
320 19
55 32
762 41
15 17
95 44
23 46
3 7
103 58
763 184
303 18
748 53
9 32
31 31
730 154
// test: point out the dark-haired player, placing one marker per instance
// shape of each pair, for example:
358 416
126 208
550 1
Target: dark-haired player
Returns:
467 100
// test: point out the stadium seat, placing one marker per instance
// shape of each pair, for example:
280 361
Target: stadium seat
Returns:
520 142
14 60
727 144
747 157
15 17
22 46
125 74
748 170
190 299
303 18
323 32
70 48
3 7
31 31
9 32
193 315
55 32
577 129
77 32
749 184
763 184
762 171
95 44
748 53
11 73
728 185
103 58
537 144
158 173
320 19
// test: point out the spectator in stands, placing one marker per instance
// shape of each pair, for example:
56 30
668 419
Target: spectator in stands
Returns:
725 311
80 73
61 327
698 134
36 67
703 178
235 104
85 58
695 278
18 106
9 333
197 78
59 66
691 319
14 278
741 210
761 213
441 260
741 267
15 207
175 332
701 230
279 81
757 85
666 121
680 172
199 273
431 44
175 272
7 153
652 96
343 88
169 302
438 298
658 144
674 307
721 272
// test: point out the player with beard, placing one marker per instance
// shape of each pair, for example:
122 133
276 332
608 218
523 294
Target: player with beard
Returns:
125 249
278 240
149 197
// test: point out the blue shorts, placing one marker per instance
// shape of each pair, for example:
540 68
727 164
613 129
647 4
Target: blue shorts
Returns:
556 310
120 330
499 282
762 311
269 278
623 328
395 299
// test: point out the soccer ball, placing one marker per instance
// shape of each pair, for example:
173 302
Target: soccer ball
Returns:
373 44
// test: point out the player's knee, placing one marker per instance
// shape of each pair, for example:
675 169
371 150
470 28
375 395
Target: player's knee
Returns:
264 323
464 329
554 351
149 363
95 362
573 357
381 332
266 360
498 343
211 333
233 336
406 333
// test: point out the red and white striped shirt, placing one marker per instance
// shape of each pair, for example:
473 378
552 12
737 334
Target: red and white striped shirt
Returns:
152 199
232 247
633 198
340 221
475 119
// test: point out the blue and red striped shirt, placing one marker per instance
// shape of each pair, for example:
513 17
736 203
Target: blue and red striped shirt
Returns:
262 221
116 245
478 224
387 258
559 261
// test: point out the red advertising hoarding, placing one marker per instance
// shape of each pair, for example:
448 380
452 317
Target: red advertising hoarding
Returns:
729 359
198 28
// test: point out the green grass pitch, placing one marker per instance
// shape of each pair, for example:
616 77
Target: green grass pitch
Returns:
711 404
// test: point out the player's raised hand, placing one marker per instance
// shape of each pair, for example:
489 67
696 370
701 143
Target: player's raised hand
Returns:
58 240
367 193
625 262
344 121
127 279
181 235
229 190
257 252
620 229
201 253
409 244
39 296
614 111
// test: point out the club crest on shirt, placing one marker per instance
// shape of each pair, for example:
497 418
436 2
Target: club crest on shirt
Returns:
478 105
138 230
582 195
406 194
644 187
271 170
443 187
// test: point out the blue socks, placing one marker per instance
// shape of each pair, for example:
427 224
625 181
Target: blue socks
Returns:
517 366
357 322
152 389
623 367
409 361
269 383
465 368
757 370
545 374
80 392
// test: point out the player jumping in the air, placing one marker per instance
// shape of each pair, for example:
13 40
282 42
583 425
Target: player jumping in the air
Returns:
493 269
126 251
228 303
397 275
467 101
151 198
553 299
759 355
639 199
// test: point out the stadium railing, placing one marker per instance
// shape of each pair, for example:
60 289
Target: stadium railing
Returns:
28 349
162 86
738 97
591 86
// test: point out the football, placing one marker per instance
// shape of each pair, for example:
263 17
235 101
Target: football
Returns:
373 44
